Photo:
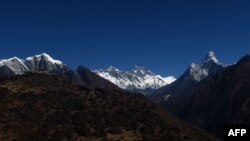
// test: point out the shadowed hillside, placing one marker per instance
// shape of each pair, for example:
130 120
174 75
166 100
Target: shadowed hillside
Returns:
217 100
40 107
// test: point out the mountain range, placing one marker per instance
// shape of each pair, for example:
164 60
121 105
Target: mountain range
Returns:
46 64
137 79
207 95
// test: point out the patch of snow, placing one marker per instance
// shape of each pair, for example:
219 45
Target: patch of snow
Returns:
166 97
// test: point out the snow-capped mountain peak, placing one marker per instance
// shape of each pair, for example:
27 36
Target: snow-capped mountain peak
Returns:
210 58
209 65
15 66
112 68
12 66
44 56
43 63
141 71
138 79
14 58
11 59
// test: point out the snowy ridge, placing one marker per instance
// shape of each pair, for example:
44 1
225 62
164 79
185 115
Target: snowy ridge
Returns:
137 78
4 61
15 66
39 57
43 63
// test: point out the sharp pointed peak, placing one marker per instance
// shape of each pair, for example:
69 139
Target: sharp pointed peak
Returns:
211 53
210 57
141 70
192 65
43 54
136 67
113 68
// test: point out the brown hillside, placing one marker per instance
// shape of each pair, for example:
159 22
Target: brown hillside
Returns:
40 107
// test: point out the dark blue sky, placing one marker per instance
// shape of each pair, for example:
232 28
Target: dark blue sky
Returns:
164 36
